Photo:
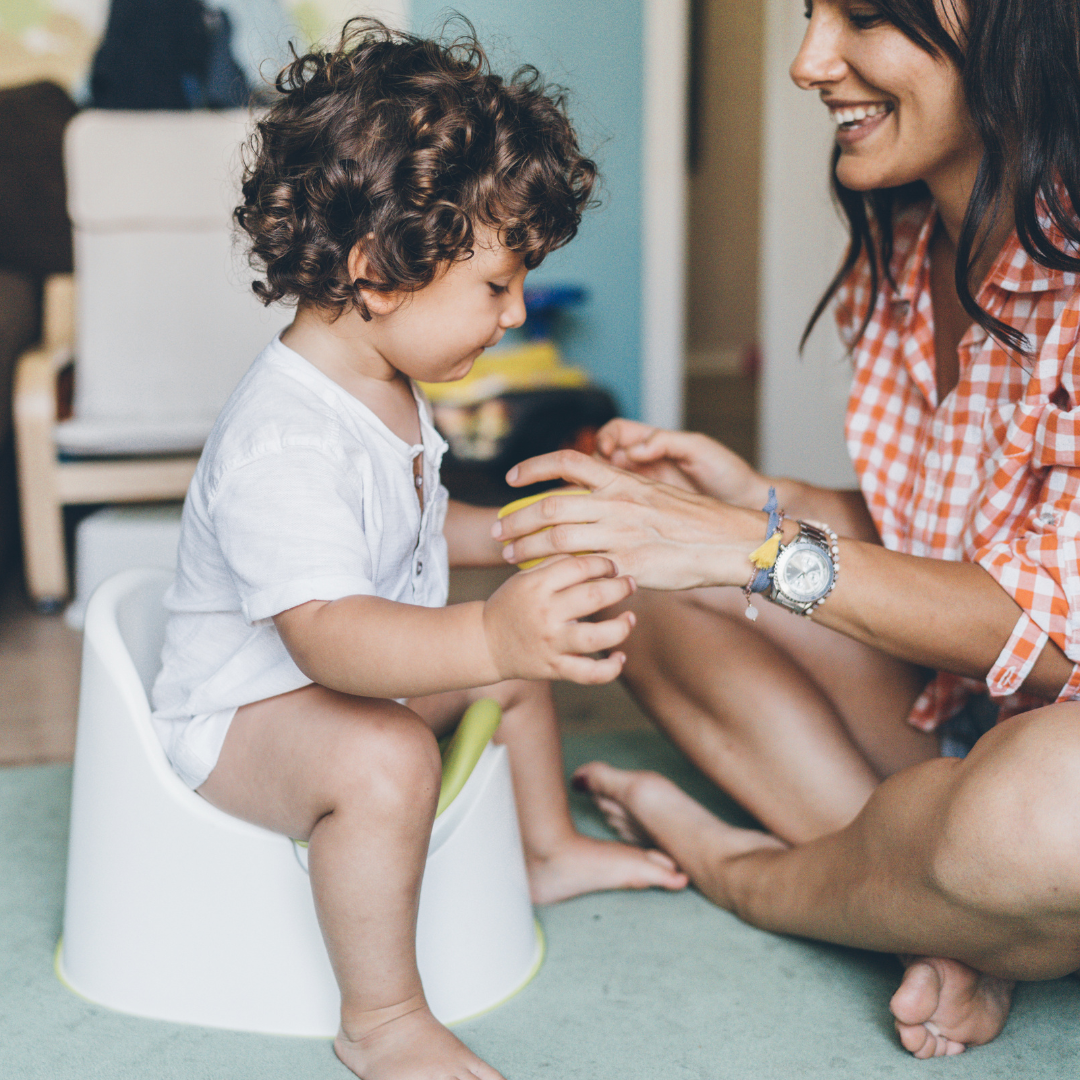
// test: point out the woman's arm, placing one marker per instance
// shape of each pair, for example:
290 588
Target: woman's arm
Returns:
468 535
952 616
845 510
946 615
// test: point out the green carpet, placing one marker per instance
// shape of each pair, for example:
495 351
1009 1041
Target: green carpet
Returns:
657 986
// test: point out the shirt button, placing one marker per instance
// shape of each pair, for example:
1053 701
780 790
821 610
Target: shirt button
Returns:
419 480
419 566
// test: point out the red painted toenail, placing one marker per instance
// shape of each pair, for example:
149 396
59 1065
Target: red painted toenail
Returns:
579 783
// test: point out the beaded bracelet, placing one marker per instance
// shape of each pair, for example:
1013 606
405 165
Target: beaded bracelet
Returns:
834 552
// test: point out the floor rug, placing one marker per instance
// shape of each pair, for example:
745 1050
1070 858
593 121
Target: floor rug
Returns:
650 986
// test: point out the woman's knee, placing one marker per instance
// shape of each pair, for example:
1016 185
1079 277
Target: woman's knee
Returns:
1011 828
674 630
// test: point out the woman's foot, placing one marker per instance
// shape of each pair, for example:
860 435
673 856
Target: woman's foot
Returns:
943 1006
410 1045
584 865
646 808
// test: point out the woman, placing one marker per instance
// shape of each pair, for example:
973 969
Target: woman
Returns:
958 165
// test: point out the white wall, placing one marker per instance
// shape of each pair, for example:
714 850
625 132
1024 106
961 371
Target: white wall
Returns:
803 241
664 194
335 12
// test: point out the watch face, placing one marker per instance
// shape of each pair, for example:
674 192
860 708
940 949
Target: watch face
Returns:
806 573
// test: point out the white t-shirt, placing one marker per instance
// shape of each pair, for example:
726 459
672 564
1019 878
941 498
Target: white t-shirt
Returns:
302 493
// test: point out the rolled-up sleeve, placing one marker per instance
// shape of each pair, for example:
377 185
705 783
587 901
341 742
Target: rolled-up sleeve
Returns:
1039 567
1041 574
291 530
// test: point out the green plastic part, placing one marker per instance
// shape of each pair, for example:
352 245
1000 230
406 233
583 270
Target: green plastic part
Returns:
461 754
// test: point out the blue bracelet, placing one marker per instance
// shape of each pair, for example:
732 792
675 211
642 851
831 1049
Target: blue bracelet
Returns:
761 579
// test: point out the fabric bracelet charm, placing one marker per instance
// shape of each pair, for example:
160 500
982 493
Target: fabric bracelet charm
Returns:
763 558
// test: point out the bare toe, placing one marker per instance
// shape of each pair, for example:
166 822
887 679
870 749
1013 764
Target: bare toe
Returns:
600 778
620 822
661 858
943 1006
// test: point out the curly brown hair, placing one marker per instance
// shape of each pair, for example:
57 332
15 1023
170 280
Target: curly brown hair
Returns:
406 145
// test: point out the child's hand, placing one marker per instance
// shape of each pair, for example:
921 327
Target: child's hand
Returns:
532 622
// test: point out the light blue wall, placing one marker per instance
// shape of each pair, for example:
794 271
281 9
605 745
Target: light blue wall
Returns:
594 49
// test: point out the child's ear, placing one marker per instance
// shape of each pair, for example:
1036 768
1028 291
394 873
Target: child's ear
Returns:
378 303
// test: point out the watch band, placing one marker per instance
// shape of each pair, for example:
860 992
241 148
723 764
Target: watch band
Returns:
824 539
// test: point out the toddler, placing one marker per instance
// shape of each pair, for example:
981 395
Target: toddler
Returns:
398 193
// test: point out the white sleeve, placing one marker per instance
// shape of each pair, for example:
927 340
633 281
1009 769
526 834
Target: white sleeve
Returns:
290 527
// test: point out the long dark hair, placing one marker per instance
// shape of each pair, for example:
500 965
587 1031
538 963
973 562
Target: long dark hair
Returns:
1020 63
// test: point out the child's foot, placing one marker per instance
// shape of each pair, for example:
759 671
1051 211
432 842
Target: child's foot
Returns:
412 1046
584 865
588 865
943 1006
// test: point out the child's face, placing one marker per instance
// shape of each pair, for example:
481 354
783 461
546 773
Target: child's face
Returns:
436 334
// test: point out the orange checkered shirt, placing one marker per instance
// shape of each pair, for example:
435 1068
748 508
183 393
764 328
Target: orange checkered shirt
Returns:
991 475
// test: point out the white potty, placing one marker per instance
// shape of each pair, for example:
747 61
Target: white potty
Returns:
118 538
177 911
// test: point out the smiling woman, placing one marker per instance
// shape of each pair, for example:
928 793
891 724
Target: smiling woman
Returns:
957 163
946 110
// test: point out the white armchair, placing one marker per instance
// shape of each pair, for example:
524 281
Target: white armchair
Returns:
160 323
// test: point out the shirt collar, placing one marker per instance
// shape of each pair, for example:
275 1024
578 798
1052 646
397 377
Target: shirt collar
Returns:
908 281
1016 271
433 444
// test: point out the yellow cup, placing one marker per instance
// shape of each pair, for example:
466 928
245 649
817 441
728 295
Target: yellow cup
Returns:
519 504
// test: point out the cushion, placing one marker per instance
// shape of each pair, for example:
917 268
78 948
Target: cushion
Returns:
112 438
137 169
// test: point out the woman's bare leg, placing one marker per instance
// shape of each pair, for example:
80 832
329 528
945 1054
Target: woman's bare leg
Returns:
797 723
973 859
562 863
358 778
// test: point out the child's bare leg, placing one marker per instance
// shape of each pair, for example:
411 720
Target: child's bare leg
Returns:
359 779
562 863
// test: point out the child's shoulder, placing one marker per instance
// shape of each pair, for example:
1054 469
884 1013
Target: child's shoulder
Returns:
276 407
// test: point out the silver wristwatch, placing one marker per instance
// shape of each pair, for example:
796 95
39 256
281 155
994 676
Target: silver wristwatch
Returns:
805 570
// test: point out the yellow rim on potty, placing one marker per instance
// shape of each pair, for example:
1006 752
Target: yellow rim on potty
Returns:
520 504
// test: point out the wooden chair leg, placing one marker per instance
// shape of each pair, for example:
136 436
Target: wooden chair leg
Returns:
39 500
44 558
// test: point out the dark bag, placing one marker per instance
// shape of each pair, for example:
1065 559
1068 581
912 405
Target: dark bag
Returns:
166 54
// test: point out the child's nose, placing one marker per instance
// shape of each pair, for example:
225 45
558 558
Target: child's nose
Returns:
513 314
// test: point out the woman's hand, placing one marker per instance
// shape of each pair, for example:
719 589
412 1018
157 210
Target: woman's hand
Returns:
533 622
682 459
663 536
